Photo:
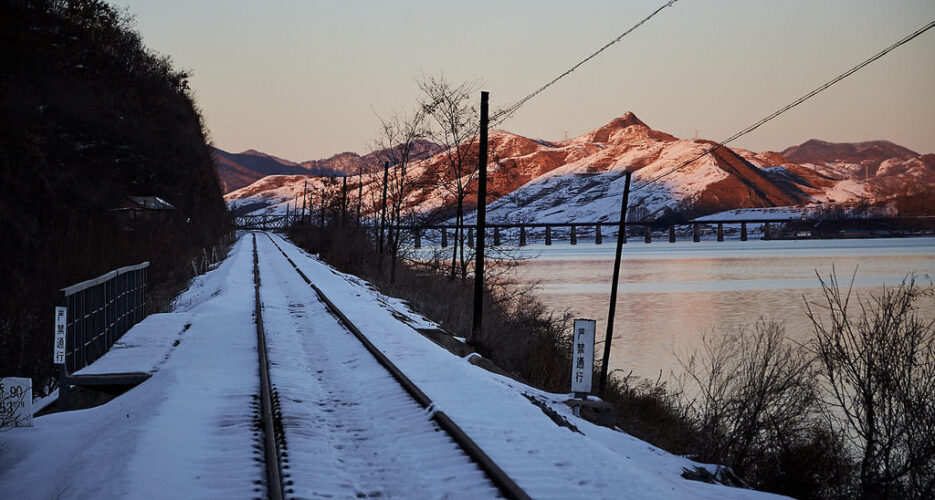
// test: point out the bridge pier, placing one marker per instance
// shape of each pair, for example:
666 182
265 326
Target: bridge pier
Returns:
649 234
417 234
696 233
574 235
671 233
743 231
548 235
597 235
766 235
496 236
720 231
444 238
522 236
471 237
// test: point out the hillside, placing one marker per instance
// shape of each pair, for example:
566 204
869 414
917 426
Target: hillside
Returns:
88 117
582 178
237 170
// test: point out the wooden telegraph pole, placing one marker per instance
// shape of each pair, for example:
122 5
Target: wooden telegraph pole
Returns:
621 227
360 194
478 324
344 201
386 174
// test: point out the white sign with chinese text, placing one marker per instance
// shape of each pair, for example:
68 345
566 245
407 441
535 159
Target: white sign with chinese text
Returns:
582 359
15 402
58 347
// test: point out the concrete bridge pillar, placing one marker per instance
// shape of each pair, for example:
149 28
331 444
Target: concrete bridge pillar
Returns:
417 234
548 235
496 236
671 233
649 234
471 237
522 236
696 233
720 231
597 235
767 234
574 235
444 238
743 231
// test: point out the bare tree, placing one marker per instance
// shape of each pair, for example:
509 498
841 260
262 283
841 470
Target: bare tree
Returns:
878 370
454 123
397 143
752 393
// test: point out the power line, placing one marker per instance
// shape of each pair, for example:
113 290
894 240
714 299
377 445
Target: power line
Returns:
503 114
791 105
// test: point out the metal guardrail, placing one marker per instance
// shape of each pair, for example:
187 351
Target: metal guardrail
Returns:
100 311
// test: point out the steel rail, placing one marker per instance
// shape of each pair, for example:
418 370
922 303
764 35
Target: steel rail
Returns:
508 488
274 486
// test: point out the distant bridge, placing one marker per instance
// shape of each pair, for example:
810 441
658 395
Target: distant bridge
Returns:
266 222
772 228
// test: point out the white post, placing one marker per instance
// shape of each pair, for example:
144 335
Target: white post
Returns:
582 359
15 402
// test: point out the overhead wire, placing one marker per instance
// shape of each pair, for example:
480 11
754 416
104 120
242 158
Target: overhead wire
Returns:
500 116
789 106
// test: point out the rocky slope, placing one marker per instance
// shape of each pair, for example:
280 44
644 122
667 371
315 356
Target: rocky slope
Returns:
237 170
582 178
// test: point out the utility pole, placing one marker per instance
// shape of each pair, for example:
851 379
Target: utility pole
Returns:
322 191
386 174
621 227
477 328
344 201
360 193
304 198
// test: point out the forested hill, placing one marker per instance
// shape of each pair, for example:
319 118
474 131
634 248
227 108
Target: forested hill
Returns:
88 117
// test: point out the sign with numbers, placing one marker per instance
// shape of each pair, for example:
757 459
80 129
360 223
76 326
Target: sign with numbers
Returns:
582 359
58 347
15 402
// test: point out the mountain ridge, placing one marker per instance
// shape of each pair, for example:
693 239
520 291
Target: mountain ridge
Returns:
580 178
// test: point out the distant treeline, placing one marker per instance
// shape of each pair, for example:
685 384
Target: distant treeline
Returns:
88 117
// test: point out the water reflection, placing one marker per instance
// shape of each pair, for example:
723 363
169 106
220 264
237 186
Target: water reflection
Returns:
670 293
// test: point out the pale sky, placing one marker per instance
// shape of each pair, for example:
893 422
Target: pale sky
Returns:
301 79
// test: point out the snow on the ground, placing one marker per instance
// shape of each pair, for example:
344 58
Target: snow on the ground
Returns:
546 460
187 431
184 433
144 347
351 429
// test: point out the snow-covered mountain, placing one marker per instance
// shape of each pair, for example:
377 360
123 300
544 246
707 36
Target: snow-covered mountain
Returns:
582 178
237 170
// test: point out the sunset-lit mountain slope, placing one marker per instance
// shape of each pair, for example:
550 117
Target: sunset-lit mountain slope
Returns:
582 178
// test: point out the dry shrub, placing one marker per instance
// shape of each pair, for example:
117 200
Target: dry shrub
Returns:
878 376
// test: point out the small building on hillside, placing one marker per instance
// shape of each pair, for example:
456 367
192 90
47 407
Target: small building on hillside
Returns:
135 207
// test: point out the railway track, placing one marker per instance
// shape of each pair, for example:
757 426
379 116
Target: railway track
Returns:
339 418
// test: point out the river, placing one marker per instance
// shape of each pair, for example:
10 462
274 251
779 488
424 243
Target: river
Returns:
670 293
